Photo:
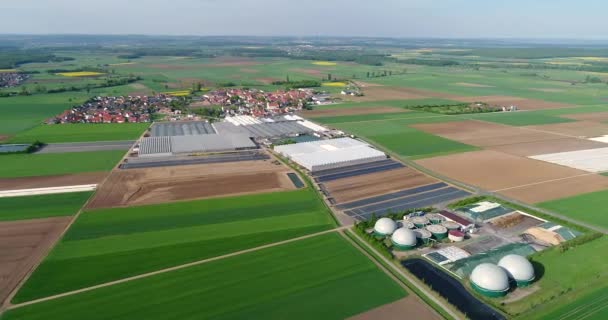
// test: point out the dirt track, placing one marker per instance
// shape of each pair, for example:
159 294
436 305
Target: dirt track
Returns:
399 310
548 146
22 245
159 185
485 134
584 129
492 170
350 189
52 181
521 103
553 190
594 116
351 111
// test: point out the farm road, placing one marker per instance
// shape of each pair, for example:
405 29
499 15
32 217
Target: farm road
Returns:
86 146
183 266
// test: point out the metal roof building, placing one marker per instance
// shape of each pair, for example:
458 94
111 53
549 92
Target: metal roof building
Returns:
170 129
328 154
167 146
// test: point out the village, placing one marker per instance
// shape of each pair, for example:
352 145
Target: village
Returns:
114 110
12 79
257 102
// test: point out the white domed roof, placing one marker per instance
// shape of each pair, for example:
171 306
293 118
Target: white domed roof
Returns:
517 267
490 277
404 237
385 226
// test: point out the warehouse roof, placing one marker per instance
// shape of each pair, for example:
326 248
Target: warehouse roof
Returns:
315 154
194 144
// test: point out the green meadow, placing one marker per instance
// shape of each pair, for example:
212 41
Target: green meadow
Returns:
42 206
47 164
564 279
111 244
81 132
318 278
589 207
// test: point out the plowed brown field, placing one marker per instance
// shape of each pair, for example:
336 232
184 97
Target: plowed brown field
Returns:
22 245
159 185
52 181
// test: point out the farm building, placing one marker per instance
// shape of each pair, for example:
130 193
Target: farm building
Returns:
176 145
452 217
329 154
170 129
490 280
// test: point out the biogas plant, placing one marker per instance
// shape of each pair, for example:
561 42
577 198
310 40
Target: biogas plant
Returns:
481 247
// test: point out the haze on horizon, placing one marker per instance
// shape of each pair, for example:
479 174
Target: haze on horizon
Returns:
564 19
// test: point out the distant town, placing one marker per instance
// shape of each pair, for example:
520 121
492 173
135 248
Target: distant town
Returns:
12 79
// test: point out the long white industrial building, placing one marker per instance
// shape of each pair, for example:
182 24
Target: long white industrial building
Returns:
329 154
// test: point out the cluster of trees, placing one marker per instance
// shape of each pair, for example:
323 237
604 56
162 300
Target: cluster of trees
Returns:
38 88
457 108
85 69
11 58
384 73
429 62
298 84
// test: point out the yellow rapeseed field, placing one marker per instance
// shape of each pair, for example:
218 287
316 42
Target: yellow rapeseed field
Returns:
7 70
181 93
324 63
80 74
334 84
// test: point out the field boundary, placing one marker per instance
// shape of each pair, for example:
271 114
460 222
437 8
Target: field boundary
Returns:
412 283
166 270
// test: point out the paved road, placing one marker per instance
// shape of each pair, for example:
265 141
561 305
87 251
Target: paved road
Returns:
86 146
9 306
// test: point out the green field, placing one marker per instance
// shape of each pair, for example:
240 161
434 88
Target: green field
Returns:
24 112
46 164
81 132
520 118
110 244
589 207
396 136
386 103
319 278
592 306
574 271
42 206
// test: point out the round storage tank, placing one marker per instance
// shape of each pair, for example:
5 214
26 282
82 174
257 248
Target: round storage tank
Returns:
408 224
435 218
384 227
438 231
420 222
518 268
423 235
451 225
490 280
456 235
404 239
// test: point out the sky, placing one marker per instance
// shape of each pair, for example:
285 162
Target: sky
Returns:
566 19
